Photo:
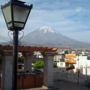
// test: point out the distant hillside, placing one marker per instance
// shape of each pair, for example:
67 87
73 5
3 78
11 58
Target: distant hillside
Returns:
46 36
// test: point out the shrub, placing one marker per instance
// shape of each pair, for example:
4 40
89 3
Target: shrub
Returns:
39 64
55 65
20 59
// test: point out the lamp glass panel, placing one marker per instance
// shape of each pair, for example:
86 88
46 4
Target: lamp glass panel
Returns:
7 13
20 15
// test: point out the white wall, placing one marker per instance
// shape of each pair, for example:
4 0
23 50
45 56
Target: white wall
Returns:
69 76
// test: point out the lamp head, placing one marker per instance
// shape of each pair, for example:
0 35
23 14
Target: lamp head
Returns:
16 14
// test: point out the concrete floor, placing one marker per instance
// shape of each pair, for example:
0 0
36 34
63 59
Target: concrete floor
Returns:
64 85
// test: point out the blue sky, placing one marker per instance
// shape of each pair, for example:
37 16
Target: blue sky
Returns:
69 17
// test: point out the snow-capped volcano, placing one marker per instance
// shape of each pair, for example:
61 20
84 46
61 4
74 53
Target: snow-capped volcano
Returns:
46 29
46 36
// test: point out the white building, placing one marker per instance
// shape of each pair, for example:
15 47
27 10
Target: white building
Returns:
83 63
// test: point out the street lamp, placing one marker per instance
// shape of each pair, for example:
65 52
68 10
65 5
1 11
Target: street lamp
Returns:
15 14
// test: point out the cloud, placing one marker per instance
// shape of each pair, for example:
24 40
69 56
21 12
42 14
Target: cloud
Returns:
3 27
80 9
61 20
70 17
80 36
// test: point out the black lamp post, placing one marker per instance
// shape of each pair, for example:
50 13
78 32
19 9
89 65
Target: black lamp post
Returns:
15 14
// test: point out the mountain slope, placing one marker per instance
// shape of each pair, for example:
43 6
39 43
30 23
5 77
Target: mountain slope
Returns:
46 36
3 39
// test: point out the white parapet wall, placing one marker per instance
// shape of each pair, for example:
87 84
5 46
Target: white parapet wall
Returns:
69 76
